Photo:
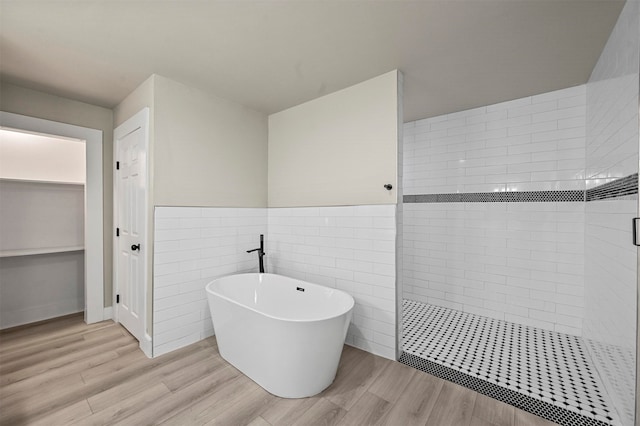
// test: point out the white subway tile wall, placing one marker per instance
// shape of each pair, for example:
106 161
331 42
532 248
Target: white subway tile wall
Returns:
530 144
610 258
610 298
611 272
612 108
194 245
350 248
520 262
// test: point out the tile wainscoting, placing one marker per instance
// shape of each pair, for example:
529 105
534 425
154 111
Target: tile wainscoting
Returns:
351 248
194 245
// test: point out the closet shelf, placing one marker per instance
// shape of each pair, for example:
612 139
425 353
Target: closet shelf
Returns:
35 251
53 182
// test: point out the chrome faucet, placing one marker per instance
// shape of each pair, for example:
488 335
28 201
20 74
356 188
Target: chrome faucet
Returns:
261 253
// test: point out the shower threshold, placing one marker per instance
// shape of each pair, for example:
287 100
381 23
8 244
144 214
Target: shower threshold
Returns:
546 373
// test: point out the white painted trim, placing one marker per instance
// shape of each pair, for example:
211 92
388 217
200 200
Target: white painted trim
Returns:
399 212
125 128
93 226
108 313
146 346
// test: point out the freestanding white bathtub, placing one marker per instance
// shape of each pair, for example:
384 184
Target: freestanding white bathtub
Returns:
285 334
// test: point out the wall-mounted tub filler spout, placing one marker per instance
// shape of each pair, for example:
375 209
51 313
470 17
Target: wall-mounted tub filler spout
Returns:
261 253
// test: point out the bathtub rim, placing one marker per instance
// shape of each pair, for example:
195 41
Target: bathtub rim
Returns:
209 291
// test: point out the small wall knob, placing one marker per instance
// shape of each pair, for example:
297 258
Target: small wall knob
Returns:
388 187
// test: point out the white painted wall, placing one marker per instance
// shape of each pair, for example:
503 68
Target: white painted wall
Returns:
339 149
521 262
207 151
39 287
36 215
38 157
204 150
141 97
610 259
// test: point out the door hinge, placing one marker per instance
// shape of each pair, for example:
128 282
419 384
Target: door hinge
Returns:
117 232
117 298
117 165
634 230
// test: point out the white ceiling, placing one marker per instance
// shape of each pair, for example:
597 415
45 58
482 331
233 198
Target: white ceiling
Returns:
271 55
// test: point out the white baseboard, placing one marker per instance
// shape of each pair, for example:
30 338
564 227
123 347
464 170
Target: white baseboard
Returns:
108 313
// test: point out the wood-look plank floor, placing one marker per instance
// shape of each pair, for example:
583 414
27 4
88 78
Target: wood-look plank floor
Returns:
64 372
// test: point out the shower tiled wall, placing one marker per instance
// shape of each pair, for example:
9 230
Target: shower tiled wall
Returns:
529 144
516 261
610 258
519 262
351 248
194 245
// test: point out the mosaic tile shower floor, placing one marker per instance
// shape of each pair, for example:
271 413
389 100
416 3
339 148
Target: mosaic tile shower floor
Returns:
543 365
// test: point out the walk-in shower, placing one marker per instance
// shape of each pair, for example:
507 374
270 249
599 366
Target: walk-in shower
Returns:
519 274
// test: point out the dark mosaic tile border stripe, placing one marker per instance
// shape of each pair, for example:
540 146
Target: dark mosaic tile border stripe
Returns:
618 188
498 197
539 408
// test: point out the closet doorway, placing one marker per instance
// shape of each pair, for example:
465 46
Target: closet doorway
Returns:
94 310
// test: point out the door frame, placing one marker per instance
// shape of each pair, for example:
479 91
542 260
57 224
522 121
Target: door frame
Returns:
94 310
138 120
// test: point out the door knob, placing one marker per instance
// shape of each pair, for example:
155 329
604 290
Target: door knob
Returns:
135 247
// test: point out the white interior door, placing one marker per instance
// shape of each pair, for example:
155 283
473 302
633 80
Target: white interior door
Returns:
131 223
